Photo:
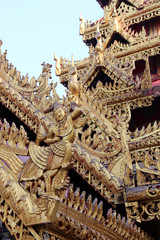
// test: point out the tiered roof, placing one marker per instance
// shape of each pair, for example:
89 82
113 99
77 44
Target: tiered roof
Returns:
120 162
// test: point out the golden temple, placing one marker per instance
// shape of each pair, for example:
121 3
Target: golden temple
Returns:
86 166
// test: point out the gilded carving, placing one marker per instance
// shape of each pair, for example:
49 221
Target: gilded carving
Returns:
55 159
87 130
57 65
73 85
99 47
82 25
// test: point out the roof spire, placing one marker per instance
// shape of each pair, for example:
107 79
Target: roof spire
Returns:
97 27
57 65
99 46
116 19
82 25
72 61
73 83
80 18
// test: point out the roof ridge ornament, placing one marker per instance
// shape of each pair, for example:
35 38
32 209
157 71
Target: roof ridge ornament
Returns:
57 65
82 25
99 47
73 83
116 23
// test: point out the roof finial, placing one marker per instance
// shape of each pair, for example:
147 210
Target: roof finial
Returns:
114 12
57 65
116 19
82 25
80 18
99 46
73 83
97 27
72 61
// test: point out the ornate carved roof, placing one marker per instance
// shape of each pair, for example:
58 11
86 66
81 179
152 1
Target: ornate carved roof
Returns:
88 130
118 19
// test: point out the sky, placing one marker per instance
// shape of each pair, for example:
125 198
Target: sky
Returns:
32 30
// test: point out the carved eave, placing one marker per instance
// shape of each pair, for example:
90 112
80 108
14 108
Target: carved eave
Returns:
150 10
142 51
144 149
147 47
24 206
84 220
21 107
66 65
131 16
99 231
145 137
27 99
108 28
93 170
118 31
76 217
121 77
18 210
135 202
87 69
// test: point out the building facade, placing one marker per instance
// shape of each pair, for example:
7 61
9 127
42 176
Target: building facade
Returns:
86 166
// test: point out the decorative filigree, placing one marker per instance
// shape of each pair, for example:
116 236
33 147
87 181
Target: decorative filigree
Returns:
143 211
13 137
15 224
36 91
151 10
102 150
141 51
124 8
17 208
90 214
